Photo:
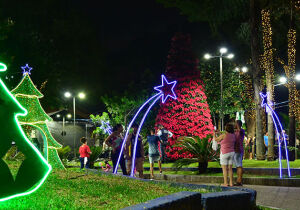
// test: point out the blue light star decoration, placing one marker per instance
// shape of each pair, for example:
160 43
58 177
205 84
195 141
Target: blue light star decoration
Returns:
265 102
26 69
106 127
166 89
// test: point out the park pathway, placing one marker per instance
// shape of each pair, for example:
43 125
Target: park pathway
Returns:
279 197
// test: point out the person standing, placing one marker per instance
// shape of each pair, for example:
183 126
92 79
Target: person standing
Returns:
163 134
139 155
153 152
239 150
85 152
266 142
227 142
114 140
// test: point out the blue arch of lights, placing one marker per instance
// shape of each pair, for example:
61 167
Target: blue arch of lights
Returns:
165 90
267 104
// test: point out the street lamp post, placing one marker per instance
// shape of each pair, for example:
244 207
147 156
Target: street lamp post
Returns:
222 55
81 95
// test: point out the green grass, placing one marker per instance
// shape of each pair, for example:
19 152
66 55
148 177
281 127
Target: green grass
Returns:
75 190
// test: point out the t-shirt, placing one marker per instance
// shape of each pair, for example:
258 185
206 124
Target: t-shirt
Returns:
116 142
239 146
266 140
153 145
227 144
84 151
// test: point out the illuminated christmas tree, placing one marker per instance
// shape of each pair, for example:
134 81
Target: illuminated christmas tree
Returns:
189 115
28 96
34 170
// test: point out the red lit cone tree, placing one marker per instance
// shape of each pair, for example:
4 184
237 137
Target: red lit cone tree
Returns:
189 115
28 96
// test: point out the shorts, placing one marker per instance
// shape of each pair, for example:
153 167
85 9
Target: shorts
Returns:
238 159
138 164
226 159
154 158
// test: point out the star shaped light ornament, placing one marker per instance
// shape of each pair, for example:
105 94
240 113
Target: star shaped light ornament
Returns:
265 101
26 69
166 89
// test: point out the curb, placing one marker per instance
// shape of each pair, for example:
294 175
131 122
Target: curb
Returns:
288 182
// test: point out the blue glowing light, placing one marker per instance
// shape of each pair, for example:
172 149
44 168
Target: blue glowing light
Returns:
26 69
164 91
106 127
166 88
267 104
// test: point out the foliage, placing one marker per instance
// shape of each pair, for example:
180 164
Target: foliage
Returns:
233 87
64 153
96 152
200 149
189 114
73 190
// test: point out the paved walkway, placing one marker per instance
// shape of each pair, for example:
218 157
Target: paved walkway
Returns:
279 197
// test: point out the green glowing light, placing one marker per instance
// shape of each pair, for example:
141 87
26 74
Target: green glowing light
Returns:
34 169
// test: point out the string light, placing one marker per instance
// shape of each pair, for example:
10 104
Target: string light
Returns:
28 95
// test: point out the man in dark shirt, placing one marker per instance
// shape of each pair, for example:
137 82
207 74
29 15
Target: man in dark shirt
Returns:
129 149
163 134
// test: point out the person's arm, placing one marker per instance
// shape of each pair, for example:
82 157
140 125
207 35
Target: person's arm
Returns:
159 133
170 134
220 138
107 140
88 150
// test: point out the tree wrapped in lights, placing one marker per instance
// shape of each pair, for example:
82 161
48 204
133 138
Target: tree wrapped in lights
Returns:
28 96
189 115
268 67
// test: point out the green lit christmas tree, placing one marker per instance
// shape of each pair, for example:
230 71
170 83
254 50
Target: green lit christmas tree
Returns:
28 96
34 170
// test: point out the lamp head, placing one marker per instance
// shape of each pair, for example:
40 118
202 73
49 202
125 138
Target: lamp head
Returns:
207 56
244 69
230 56
68 94
223 50
81 95
282 80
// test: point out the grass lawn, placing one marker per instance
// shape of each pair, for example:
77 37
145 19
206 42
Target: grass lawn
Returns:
72 189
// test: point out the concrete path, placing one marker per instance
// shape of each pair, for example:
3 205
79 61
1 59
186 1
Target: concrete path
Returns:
279 197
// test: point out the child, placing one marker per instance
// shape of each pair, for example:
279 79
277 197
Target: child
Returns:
153 151
105 166
85 152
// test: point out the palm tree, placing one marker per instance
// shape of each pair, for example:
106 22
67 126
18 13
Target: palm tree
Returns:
200 150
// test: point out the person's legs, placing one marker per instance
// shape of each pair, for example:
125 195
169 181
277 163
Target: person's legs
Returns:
230 175
239 171
151 170
114 160
129 163
87 165
123 165
139 167
224 169
163 153
159 166
81 162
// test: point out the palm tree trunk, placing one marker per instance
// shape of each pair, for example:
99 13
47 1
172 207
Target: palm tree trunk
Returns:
256 74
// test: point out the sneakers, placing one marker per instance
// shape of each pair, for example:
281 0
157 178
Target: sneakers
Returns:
160 172
238 184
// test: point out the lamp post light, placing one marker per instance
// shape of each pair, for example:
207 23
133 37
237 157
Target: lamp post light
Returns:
222 55
283 80
81 95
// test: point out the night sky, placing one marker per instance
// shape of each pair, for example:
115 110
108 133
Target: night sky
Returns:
132 39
